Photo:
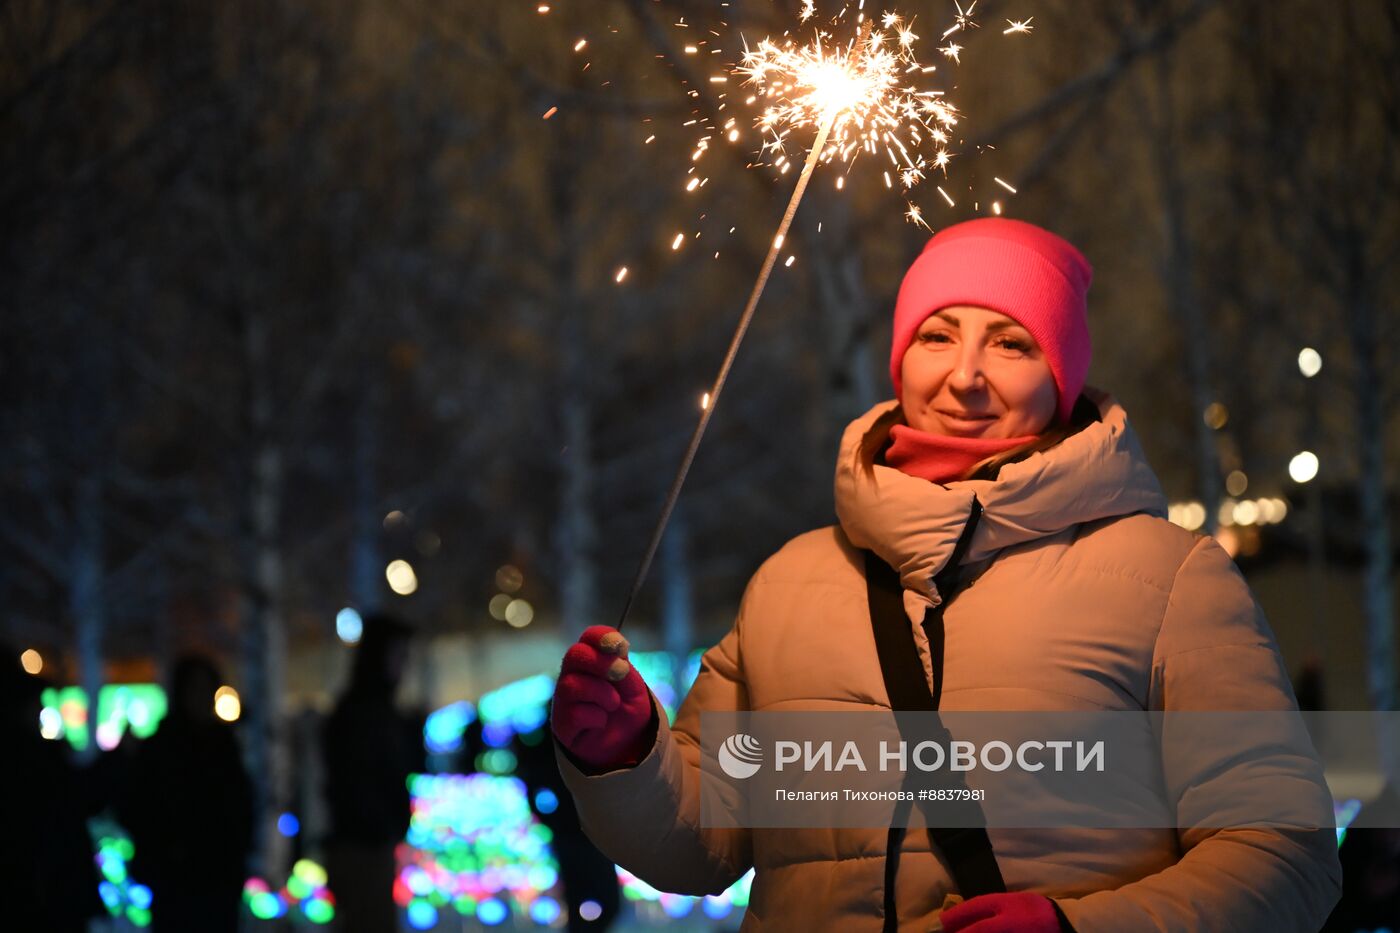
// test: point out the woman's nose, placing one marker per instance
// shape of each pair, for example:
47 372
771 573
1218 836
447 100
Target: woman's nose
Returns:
967 373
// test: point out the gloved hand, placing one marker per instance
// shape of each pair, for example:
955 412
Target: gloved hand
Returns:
602 707
1019 912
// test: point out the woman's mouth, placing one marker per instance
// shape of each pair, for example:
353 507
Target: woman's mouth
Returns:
966 419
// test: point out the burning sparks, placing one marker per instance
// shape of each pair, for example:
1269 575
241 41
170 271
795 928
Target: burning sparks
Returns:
1022 26
858 90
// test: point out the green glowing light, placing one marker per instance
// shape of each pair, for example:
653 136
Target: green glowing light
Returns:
318 911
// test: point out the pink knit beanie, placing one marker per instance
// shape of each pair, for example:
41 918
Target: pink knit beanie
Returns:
1027 273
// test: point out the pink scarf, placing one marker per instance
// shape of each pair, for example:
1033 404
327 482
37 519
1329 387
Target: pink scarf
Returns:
942 458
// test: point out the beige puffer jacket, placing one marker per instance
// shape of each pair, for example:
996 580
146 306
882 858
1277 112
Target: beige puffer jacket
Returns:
1081 597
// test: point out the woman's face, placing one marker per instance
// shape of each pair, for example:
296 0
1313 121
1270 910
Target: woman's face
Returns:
974 372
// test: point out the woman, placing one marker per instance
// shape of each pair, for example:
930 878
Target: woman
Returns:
1021 515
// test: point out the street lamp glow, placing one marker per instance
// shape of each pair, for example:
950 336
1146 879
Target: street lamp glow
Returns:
227 705
519 613
1309 362
402 579
1303 466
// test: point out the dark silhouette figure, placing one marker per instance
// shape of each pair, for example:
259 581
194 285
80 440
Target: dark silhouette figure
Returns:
586 873
370 750
1371 869
187 802
48 880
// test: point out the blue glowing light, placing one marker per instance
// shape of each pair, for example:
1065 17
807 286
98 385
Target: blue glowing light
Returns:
716 908
349 626
139 895
544 911
422 915
111 896
546 801
442 733
497 734
491 912
288 825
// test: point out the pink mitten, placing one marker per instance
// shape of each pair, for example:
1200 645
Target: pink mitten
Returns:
1021 912
602 707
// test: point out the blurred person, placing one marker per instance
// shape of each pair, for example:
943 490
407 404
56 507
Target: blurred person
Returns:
586 874
188 803
370 749
48 879
1370 856
1002 545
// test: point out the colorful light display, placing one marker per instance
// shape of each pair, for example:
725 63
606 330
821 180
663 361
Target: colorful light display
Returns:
305 896
122 895
138 707
474 847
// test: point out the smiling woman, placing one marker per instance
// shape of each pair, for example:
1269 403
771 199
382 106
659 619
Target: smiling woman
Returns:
1002 546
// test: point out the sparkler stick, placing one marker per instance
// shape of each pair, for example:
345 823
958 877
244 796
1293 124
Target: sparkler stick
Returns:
813 155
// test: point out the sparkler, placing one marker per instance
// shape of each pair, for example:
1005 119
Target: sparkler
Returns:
856 97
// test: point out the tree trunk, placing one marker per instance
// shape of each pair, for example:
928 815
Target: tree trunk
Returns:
1184 301
367 558
1377 594
264 637
85 597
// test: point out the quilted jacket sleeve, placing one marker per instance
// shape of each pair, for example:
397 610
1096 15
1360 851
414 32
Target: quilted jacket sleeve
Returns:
1215 652
646 818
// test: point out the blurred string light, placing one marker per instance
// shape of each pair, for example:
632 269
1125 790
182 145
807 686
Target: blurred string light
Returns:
473 845
305 896
443 729
227 704
1232 512
1236 483
1303 467
138 708
1309 362
1216 416
402 579
349 626
288 825
122 896
498 604
32 661
394 519
519 613
647 899
509 579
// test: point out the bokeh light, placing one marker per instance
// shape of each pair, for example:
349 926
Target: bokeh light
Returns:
349 626
1303 466
509 579
1309 362
32 661
227 704
402 579
519 613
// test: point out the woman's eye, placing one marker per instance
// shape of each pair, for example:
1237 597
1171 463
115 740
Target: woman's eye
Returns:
1009 343
936 336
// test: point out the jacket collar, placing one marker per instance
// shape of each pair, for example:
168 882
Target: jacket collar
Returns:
914 525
